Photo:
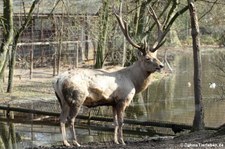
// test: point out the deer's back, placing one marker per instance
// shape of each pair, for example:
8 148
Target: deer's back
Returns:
99 87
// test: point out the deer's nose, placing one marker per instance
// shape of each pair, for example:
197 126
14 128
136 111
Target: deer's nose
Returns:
161 65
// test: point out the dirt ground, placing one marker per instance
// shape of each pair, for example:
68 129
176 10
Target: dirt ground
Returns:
201 139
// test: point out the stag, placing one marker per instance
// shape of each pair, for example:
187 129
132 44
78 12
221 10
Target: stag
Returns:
99 87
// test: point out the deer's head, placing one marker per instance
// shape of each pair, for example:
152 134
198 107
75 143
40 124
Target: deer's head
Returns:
146 54
149 62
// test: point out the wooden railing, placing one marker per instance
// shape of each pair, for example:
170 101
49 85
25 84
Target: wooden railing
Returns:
8 109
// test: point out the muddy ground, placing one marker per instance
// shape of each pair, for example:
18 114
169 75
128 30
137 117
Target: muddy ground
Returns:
201 139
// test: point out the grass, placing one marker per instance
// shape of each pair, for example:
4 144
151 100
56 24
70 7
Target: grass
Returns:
40 86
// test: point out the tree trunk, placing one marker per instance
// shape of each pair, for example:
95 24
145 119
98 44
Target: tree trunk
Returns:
12 60
7 34
31 61
59 52
60 40
124 40
86 37
198 122
32 52
102 36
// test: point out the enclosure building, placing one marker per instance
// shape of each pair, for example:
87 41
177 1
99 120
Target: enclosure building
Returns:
57 32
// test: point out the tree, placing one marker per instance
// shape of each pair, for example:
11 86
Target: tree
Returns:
198 122
7 35
14 46
102 35
211 14
218 63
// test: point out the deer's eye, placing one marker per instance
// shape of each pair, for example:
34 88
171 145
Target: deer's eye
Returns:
148 59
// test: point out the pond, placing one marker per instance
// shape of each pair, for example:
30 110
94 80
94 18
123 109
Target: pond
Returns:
25 134
170 99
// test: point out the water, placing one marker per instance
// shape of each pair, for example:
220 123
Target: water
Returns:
170 100
34 135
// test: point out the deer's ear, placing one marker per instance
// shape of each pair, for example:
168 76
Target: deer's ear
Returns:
140 54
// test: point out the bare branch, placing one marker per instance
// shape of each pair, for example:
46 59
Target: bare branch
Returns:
28 17
207 1
214 3
171 11
54 8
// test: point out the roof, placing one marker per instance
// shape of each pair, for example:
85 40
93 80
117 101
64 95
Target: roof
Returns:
90 7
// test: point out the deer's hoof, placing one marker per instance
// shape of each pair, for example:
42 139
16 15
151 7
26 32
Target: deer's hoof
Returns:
116 142
76 143
122 142
65 142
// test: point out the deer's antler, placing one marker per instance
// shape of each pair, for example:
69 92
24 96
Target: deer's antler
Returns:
124 27
144 46
161 35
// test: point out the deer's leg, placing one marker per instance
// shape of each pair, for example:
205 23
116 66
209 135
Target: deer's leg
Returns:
71 119
115 125
63 119
120 111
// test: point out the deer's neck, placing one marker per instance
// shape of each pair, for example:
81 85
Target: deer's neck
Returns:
140 77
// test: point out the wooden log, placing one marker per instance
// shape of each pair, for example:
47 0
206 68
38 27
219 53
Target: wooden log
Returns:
82 126
106 119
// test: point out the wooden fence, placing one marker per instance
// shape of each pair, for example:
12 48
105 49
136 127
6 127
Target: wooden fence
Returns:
8 109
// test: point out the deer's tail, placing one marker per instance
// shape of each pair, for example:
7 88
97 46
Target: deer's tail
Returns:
58 92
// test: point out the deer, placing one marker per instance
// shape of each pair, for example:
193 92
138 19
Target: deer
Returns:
98 87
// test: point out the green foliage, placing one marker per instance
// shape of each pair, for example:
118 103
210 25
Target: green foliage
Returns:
211 14
222 40
208 40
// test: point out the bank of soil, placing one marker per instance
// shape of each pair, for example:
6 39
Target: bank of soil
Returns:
202 139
